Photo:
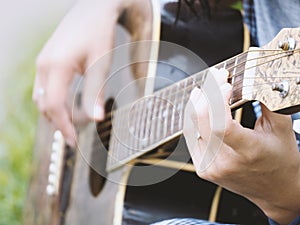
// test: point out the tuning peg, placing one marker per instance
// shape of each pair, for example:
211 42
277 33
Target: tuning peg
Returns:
298 80
289 44
282 87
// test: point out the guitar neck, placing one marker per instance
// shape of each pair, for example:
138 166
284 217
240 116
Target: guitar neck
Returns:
156 119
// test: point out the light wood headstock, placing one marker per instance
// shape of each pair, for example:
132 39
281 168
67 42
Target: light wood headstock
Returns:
272 73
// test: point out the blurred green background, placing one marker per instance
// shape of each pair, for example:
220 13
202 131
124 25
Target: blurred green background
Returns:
24 28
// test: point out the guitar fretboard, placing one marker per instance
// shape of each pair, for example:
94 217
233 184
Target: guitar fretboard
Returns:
158 118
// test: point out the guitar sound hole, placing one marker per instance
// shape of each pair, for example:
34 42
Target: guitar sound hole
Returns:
97 180
98 158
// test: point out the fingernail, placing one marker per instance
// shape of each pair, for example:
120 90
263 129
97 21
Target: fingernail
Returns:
195 94
98 112
223 70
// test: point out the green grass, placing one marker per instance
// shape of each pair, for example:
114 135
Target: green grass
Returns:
16 136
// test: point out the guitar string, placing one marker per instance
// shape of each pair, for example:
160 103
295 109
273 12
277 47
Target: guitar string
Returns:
261 57
268 82
238 74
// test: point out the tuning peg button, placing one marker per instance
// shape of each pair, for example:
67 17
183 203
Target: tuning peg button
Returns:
298 80
282 88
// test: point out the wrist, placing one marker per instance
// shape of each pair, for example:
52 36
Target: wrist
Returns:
294 222
282 217
284 205
281 203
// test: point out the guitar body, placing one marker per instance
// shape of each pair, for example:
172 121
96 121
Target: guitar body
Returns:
88 194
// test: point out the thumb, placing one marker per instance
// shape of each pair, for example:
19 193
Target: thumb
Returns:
274 121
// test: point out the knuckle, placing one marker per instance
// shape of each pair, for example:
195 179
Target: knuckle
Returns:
221 169
209 175
41 108
44 62
52 107
41 62
229 129
251 157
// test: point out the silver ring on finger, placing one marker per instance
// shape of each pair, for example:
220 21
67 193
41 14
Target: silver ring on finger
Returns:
41 92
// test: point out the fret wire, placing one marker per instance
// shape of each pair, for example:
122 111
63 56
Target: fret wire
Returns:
130 132
121 132
120 135
236 93
143 123
149 116
125 147
229 64
137 128
131 127
126 135
141 107
165 114
169 119
182 104
175 108
111 144
116 154
233 78
153 127
178 99
159 115
171 111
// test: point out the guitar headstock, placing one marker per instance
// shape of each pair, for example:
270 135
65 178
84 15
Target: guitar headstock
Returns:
272 73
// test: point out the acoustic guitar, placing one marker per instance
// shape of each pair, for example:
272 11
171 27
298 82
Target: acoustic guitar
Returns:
133 168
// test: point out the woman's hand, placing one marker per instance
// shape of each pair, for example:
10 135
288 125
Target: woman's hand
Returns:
85 34
262 165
